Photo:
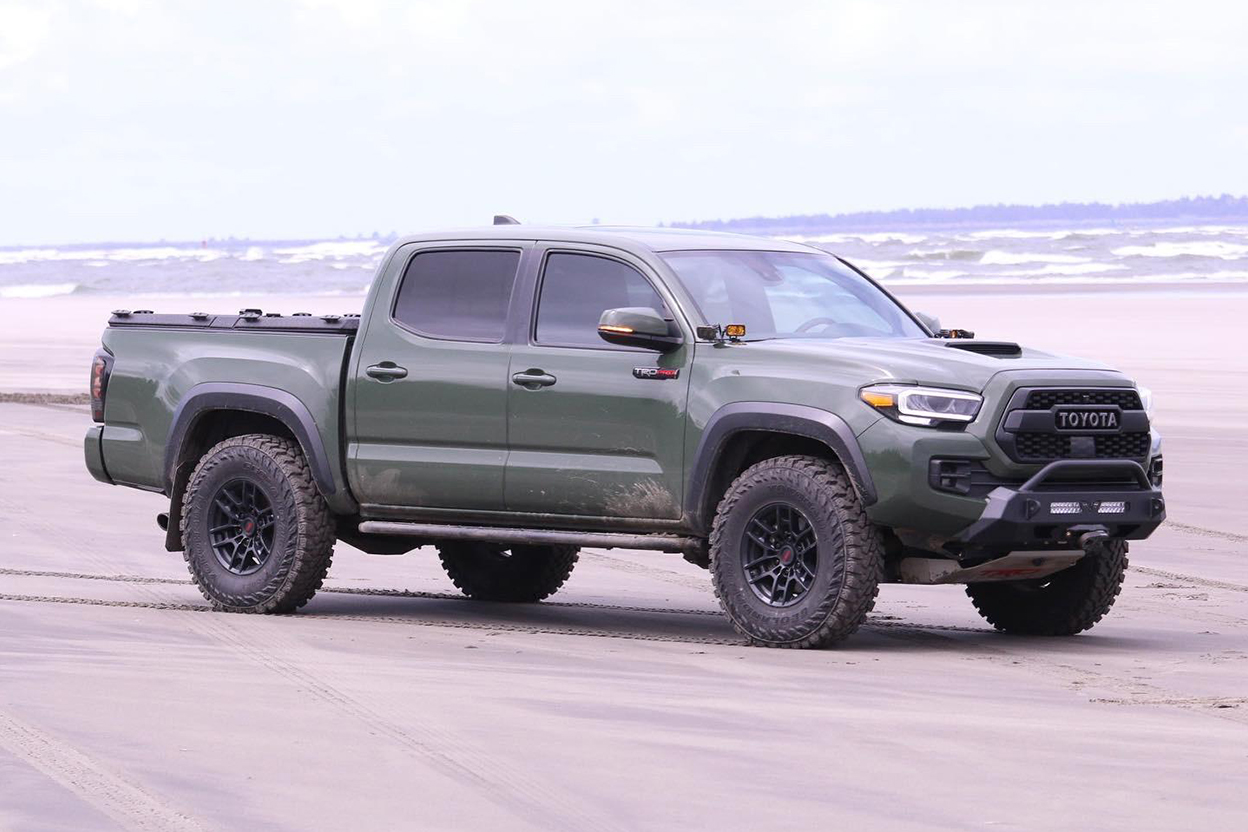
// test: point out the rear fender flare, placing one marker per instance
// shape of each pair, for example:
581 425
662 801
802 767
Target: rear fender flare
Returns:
253 398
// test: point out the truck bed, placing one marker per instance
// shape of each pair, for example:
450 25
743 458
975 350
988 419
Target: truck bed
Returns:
169 370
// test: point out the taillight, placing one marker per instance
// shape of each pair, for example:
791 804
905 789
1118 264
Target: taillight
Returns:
101 367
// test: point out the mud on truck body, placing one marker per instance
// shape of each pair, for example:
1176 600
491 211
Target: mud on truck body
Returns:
512 394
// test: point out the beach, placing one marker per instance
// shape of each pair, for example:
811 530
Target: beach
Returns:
627 701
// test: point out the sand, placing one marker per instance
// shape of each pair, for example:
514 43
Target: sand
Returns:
628 702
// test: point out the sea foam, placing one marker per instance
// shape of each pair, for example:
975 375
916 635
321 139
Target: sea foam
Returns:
37 290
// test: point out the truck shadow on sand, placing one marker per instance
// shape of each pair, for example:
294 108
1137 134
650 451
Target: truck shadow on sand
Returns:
704 624
692 626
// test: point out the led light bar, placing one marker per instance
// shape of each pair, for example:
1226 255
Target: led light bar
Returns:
1061 507
1112 507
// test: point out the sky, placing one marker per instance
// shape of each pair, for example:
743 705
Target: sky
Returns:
144 120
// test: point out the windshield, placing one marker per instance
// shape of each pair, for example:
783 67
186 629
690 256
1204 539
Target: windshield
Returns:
783 294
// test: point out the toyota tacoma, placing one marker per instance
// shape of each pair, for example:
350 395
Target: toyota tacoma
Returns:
511 394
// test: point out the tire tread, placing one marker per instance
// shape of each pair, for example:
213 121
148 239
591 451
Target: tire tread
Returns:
536 573
313 537
1074 601
838 614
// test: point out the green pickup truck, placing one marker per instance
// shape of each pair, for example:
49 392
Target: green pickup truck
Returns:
511 394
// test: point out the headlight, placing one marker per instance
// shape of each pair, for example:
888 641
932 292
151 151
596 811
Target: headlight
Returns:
925 406
1146 399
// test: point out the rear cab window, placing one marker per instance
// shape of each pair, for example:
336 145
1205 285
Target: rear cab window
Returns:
457 294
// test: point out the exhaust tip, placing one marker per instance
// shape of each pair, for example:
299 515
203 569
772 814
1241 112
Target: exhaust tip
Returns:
162 520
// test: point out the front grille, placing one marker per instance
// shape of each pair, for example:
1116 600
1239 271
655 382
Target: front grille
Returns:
1041 447
1122 446
1047 399
1048 445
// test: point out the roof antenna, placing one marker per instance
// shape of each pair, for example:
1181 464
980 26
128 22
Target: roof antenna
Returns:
505 219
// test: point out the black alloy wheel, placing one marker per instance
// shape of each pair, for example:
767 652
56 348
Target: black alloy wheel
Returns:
241 526
257 534
780 554
795 561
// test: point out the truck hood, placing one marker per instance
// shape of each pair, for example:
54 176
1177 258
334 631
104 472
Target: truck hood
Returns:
913 360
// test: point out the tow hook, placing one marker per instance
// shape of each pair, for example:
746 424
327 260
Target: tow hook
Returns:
1092 538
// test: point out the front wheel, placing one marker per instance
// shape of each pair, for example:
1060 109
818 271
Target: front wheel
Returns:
794 559
1063 604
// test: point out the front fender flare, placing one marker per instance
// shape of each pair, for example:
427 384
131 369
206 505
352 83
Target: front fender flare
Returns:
798 420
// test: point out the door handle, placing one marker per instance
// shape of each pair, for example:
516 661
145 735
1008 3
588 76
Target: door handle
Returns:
386 371
533 379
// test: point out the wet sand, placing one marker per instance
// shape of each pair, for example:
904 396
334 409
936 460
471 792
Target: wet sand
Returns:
627 702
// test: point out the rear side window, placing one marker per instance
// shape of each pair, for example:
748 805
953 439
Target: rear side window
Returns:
578 288
460 295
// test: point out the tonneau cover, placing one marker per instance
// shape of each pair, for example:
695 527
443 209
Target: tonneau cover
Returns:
247 319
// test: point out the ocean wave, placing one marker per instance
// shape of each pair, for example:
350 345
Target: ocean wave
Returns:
240 293
332 249
1006 258
966 254
37 290
1219 249
1049 234
931 275
866 237
1010 234
1066 269
125 255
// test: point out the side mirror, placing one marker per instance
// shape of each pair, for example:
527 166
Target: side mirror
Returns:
929 321
639 326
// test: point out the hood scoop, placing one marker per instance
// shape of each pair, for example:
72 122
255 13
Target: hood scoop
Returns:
997 349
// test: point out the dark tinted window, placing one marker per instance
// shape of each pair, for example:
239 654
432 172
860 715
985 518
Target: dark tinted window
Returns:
458 294
578 288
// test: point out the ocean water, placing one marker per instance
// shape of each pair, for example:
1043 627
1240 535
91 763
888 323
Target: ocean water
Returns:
1186 255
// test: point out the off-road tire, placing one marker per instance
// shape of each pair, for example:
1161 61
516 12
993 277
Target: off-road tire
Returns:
516 574
1063 604
303 537
850 553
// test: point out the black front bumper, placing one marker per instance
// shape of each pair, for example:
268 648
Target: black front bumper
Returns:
1053 508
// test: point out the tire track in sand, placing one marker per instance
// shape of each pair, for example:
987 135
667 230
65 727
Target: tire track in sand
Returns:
123 800
492 778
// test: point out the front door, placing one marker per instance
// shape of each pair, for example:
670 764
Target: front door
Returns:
431 386
588 435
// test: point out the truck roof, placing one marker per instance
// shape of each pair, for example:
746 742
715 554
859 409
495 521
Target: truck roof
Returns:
619 236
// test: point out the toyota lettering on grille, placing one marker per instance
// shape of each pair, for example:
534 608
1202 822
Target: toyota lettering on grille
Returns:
1084 419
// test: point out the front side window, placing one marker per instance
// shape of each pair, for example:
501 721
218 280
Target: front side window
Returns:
458 295
578 288
783 294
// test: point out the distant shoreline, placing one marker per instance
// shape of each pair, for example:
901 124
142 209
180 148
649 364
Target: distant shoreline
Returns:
1197 211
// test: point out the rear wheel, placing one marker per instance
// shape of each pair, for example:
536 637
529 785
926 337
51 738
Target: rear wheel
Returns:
794 559
519 574
256 533
1063 604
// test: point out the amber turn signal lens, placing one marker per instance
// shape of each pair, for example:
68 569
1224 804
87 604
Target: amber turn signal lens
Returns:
623 330
877 399
735 330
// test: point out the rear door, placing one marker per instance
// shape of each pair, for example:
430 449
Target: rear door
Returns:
588 435
431 385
